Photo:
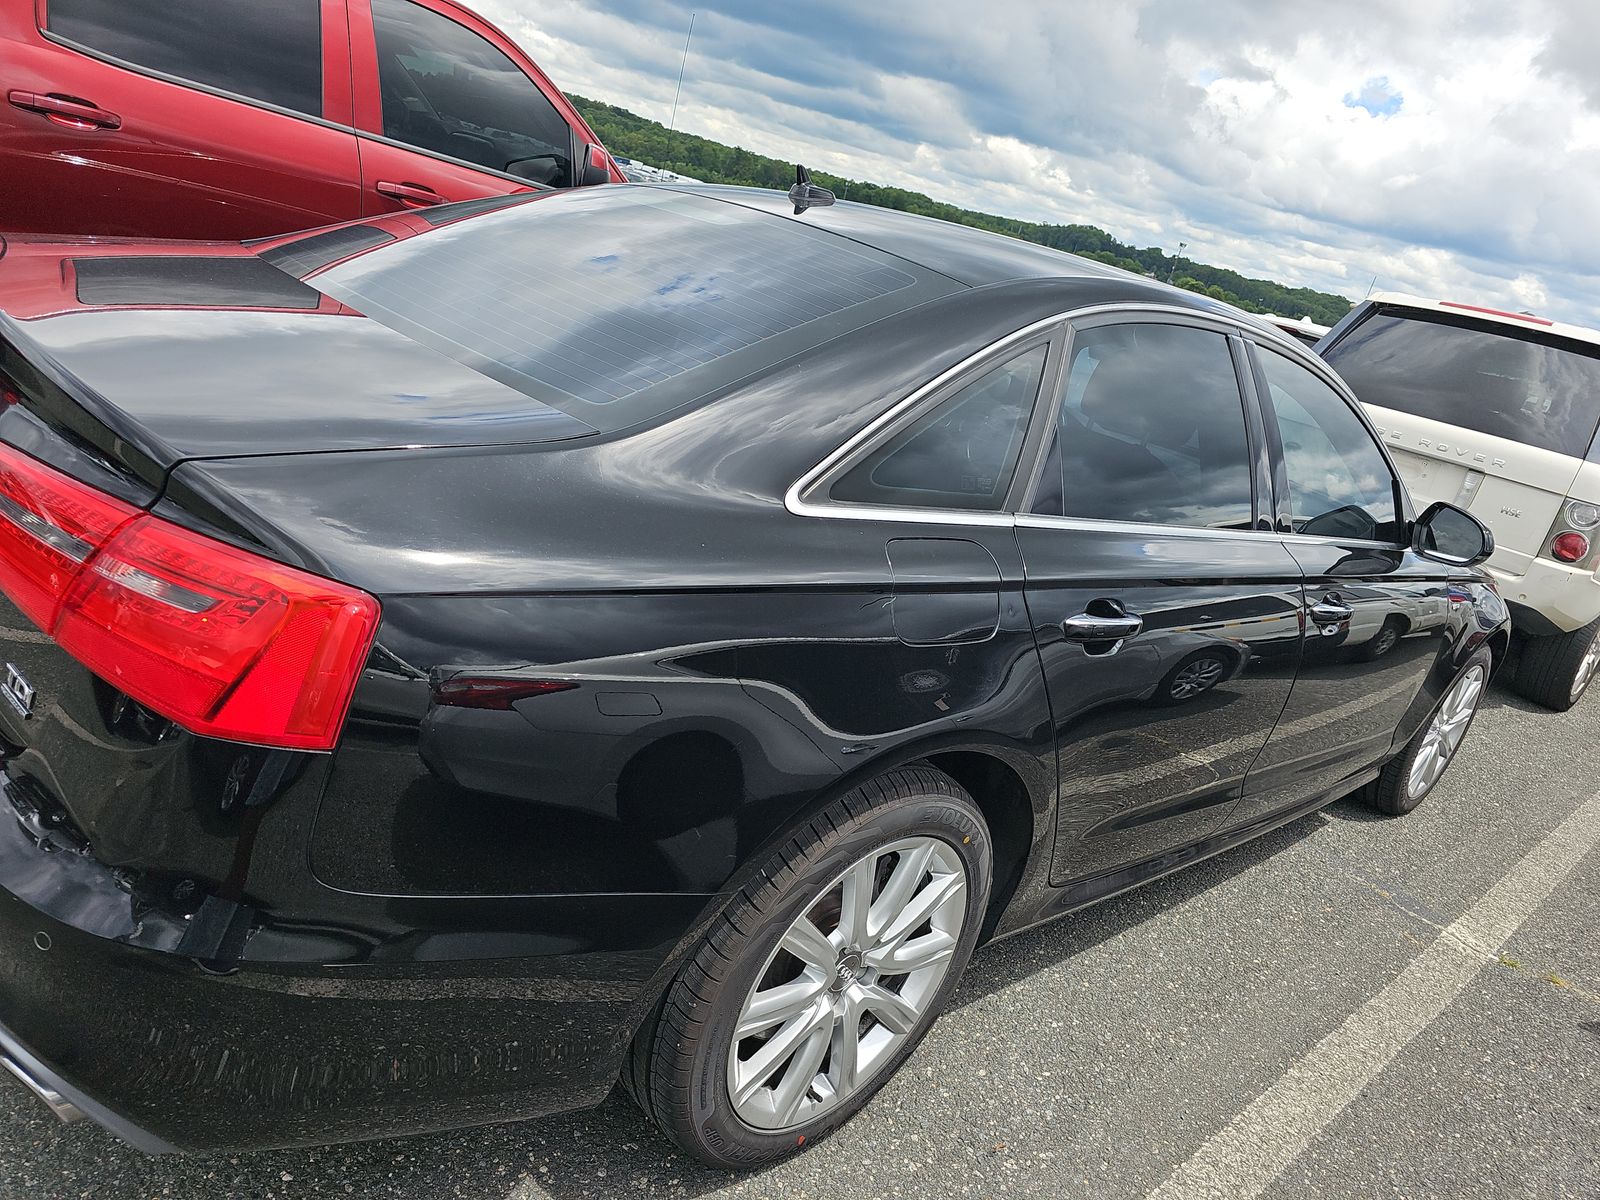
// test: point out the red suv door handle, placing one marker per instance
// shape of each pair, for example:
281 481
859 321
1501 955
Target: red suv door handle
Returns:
66 110
413 194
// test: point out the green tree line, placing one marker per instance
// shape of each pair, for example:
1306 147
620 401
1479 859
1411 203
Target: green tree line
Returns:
633 136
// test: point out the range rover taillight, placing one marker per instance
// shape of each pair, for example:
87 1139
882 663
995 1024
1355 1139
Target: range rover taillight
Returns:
226 643
1569 547
1571 538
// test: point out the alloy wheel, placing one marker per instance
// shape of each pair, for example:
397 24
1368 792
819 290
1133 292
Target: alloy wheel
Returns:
1445 731
1199 676
1586 669
851 979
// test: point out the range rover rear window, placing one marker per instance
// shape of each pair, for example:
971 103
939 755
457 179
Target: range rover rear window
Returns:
1529 386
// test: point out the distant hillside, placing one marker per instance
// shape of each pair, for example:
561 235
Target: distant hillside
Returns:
627 134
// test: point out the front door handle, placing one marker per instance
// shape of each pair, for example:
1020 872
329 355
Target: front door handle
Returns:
415 195
65 110
1112 623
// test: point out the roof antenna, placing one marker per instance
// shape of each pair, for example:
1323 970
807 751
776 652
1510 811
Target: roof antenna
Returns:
805 194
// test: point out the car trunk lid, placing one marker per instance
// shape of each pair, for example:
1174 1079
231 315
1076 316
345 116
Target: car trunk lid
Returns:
170 385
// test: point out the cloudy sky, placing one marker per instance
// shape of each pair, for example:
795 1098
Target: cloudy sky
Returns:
1449 147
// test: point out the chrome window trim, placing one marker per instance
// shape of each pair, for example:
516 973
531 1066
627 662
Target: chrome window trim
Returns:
1405 516
1137 528
794 499
1318 367
1317 539
794 502
1103 315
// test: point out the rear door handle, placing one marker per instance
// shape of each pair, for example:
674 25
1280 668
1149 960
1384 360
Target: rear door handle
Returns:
1331 611
65 110
1331 615
408 193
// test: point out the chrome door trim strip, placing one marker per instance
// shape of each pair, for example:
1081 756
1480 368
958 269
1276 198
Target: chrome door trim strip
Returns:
794 499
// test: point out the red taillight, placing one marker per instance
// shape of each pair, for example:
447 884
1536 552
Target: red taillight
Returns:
1569 546
480 691
50 525
224 642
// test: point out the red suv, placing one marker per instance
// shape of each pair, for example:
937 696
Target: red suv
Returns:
243 118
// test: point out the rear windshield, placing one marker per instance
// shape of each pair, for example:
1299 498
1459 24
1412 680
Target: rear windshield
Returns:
1528 387
619 304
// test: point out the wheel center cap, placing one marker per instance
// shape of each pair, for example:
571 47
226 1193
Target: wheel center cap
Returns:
849 969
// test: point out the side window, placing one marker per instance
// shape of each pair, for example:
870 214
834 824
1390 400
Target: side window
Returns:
1339 483
447 90
270 52
963 454
1151 430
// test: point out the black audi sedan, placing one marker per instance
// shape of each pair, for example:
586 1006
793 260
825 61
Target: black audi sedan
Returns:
456 661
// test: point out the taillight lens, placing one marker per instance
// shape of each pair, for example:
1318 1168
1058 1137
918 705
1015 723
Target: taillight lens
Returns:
224 642
1581 515
50 525
1569 547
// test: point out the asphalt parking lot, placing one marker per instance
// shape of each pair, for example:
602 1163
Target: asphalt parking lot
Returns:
1327 1012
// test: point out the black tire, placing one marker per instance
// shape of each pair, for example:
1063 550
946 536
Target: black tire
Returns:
1390 793
677 1067
1548 669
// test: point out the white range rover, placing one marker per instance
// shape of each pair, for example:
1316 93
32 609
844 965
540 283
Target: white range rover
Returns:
1497 412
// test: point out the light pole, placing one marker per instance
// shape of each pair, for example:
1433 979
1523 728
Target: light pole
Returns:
1182 246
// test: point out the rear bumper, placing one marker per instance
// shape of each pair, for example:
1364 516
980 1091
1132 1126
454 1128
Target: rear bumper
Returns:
68 1103
102 1012
169 1057
1550 597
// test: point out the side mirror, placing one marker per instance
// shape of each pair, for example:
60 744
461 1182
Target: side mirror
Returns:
540 169
592 166
1451 535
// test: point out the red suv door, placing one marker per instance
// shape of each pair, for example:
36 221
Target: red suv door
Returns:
447 108
227 119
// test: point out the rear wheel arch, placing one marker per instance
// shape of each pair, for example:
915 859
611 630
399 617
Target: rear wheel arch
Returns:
1499 644
992 777
665 1067
1002 797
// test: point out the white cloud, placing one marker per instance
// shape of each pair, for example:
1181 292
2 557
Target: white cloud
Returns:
1225 125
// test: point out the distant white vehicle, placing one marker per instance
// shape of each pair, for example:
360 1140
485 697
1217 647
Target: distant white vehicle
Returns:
1304 329
638 172
1496 412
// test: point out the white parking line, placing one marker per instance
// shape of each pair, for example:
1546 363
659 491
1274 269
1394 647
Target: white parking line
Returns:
1246 1156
